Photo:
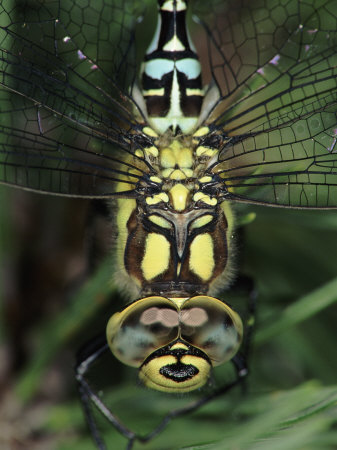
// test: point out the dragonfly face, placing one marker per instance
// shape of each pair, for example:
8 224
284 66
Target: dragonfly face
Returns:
175 141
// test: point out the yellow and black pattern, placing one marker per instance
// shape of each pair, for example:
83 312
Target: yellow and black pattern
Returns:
247 115
269 102
171 73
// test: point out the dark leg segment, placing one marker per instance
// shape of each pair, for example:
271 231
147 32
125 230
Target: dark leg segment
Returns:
86 358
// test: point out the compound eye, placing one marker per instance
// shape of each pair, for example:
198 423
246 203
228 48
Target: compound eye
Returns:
211 326
143 327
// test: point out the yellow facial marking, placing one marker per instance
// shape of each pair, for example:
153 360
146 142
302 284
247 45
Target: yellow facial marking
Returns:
205 151
201 132
156 256
152 378
161 197
179 195
202 256
179 345
160 221
150 132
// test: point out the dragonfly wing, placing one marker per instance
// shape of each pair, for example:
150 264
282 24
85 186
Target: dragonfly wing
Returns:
276 74
68 131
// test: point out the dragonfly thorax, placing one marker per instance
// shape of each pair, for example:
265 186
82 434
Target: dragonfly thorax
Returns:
175 237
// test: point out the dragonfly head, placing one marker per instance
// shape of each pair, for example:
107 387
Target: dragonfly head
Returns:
175 342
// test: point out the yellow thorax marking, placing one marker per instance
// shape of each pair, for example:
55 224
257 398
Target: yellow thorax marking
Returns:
156 179
205 198
160 221
176 162
206 151
161 197
201 132
177 174
179 195
147 151
176 156
151 151
139 153
202 256
156 256
205 179
201 222
150 132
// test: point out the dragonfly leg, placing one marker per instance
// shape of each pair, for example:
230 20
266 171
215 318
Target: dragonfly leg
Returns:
86 358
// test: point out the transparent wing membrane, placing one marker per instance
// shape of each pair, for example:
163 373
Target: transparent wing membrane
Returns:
275 66
70 129
68 121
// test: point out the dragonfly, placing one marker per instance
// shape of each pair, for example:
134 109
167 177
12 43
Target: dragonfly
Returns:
238 107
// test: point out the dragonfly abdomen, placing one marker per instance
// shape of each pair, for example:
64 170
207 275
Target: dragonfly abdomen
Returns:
171 73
